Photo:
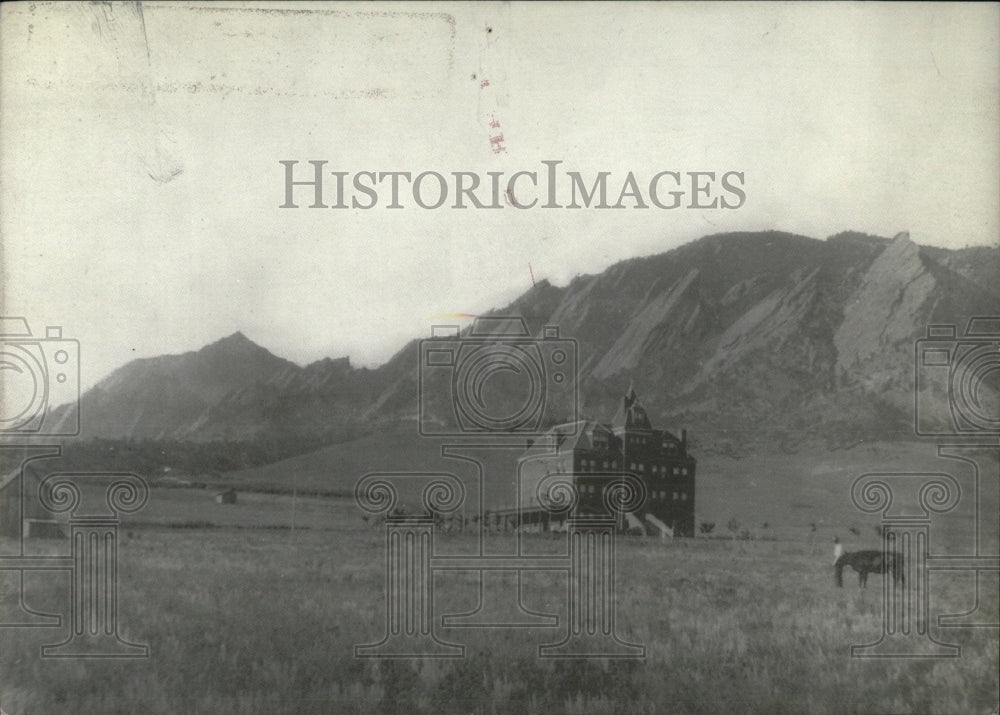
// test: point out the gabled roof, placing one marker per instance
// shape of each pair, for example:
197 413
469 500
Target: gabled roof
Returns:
570 436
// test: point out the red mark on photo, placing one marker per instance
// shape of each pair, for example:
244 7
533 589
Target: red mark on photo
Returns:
489 99
497 143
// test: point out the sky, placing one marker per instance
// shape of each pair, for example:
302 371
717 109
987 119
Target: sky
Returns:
140 181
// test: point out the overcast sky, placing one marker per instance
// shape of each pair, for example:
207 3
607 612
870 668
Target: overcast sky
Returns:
140 152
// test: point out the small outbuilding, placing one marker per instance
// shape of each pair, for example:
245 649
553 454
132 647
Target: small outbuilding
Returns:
22 515
226 497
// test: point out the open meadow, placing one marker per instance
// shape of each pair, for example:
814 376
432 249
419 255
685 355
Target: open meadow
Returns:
242 614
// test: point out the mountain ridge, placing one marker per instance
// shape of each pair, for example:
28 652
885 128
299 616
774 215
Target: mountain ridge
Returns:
745 337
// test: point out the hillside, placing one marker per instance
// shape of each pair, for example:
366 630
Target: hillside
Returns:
232 389
755 342
338 467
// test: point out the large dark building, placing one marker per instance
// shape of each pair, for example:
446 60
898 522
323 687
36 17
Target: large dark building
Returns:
593 454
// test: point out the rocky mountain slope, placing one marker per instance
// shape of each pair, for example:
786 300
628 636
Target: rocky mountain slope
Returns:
231 389
751 341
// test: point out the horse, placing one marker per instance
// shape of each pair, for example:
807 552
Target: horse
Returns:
865 562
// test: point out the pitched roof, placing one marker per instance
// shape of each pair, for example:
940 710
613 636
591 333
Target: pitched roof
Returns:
569 436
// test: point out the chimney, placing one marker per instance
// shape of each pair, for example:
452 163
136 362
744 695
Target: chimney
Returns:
684 440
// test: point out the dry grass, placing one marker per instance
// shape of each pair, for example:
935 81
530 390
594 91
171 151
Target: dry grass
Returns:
243 621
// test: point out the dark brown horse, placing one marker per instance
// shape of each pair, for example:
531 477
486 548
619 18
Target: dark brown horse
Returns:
866 562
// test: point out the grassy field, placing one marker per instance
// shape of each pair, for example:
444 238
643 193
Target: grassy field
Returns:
257 607
243 616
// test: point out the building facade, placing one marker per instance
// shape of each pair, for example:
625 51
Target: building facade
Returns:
591 455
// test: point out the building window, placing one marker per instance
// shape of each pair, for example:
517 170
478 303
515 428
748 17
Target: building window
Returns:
684 496
676 471
642 467
675 496
631 465
684 470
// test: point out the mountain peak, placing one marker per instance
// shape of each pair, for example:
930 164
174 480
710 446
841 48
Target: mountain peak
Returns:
237 337
329 363
235 341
